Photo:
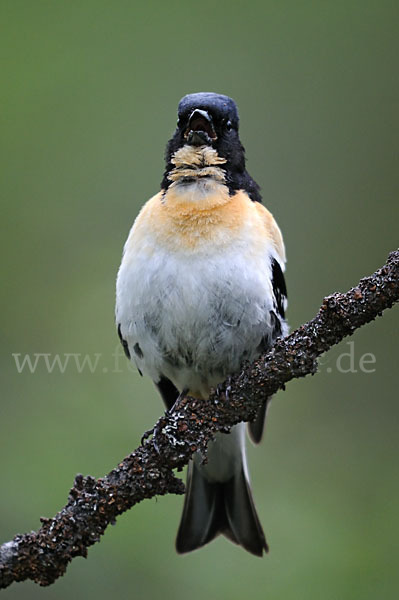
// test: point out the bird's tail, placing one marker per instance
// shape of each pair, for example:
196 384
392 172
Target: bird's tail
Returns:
212 508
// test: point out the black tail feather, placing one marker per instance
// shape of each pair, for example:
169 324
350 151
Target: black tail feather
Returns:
201 507
257 426
211 509
242 517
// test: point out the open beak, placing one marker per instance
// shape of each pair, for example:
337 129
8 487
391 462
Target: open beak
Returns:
200 130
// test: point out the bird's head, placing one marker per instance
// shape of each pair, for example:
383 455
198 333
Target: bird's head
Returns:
208 121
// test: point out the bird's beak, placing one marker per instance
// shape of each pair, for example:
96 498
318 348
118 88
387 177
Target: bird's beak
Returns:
200 130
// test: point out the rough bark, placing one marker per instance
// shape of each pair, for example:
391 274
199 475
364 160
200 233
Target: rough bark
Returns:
93 504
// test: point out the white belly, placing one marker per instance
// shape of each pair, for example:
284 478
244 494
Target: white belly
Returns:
194 318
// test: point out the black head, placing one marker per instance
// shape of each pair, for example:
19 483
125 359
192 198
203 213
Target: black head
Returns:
215 113
209 119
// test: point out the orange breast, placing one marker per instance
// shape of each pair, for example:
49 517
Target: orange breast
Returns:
198 220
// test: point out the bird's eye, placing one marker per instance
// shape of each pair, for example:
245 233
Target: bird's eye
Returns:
229 125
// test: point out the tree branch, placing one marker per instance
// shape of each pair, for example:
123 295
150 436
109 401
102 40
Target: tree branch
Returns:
93 504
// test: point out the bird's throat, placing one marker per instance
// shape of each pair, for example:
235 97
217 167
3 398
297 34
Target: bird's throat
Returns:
196 164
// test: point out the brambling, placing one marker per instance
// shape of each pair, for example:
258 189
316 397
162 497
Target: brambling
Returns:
199 291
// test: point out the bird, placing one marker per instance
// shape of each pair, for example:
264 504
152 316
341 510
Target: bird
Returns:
200 290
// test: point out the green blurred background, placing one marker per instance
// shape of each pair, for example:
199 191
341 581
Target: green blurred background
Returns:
89 96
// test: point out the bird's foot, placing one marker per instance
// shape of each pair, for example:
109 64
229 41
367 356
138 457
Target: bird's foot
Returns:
147 434
154 431
221 388
170 410
228 387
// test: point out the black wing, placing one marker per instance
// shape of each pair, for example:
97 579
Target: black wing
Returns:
123 342
279 288
256 426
